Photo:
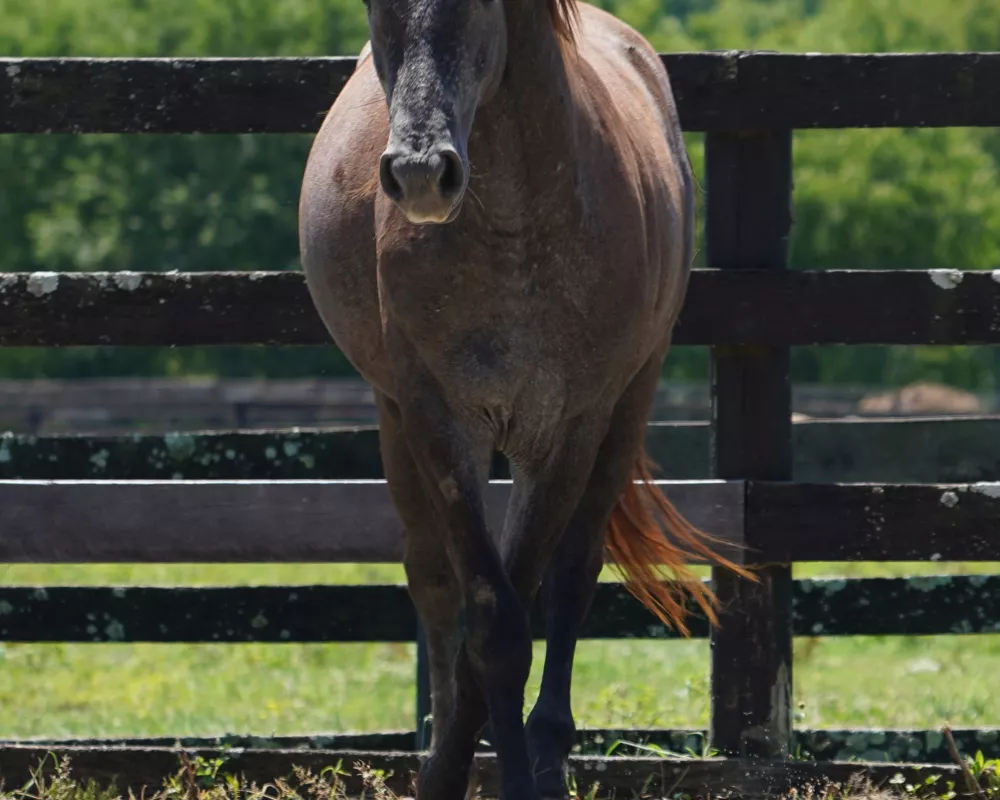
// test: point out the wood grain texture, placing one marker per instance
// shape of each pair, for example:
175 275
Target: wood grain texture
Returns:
873 522
748 306
749 217
822 744
253 521
950 450
920 606
716 91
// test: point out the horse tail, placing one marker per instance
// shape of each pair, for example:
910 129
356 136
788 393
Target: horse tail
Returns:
634 541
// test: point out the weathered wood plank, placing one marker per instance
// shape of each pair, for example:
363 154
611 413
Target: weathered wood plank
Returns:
716 91
792 307
331 521
135 767
253 521
748 221
331 454
920 606
865 744
952 450
869 522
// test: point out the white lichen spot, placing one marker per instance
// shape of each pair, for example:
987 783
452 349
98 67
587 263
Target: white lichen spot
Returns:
949 499
42 283
817 628
5 455
118 592
946 278
126 280
115 631
270 453
290 448
100 459
5 608
91 629
995 275
286 635
40 594
991 490
259 621
179 445
13 70
307 461
230 454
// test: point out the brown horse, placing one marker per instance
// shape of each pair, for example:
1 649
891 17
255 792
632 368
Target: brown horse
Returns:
496 225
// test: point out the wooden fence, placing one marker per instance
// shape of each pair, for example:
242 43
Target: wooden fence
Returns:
105 406
110 500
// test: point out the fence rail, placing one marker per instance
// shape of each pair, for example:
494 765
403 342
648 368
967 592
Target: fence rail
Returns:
716 91
795 307
759 522
923 606
960 450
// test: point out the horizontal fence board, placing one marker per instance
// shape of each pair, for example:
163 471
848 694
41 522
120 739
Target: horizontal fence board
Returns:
866 744
794 307
334 454
255 521
955 450
354 521
866 522
919 606
709 777
716 91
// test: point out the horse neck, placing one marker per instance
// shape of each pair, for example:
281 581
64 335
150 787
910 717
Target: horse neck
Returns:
524 137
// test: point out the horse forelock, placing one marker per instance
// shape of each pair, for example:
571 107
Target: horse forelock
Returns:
563 13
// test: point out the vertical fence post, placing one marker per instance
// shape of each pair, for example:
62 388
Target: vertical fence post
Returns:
423 732
749 186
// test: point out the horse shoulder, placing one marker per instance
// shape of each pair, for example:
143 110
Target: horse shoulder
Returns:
336 220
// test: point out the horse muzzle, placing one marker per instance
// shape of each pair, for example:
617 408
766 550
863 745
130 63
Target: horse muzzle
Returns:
427 187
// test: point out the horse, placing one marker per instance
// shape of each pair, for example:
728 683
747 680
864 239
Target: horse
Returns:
496 226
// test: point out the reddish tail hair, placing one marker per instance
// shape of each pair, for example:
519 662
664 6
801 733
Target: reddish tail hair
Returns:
635 542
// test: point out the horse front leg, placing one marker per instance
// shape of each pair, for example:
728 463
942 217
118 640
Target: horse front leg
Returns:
571 580
430 578
494 658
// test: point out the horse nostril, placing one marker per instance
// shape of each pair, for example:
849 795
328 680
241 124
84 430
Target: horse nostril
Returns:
452 179
387 177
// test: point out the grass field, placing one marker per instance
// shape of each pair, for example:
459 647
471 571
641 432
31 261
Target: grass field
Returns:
118 690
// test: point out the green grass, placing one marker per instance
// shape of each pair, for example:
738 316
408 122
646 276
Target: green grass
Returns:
134 690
